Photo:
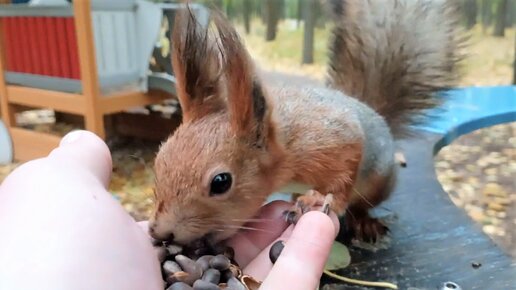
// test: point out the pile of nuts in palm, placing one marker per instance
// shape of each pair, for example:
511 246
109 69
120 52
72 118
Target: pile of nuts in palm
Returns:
200 267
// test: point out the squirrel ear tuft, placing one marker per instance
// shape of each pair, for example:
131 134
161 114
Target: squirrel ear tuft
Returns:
247 103
197 67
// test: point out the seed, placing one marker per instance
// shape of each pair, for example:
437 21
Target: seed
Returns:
171 267
275 251
174 249
203 285
201 252
179 286
212 276
235 284
189 266
162 254
179 277
185 267
250 283
196 249
204 262
220 262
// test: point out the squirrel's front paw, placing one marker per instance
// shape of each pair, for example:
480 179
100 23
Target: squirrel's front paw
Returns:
305 203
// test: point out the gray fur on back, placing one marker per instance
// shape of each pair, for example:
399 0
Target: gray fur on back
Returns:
397 56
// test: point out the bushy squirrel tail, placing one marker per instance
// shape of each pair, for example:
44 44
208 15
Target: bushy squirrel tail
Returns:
397 56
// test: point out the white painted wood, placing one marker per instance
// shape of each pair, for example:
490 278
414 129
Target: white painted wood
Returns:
122 41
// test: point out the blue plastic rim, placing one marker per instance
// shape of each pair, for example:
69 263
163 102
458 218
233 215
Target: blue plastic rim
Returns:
6 146
468 109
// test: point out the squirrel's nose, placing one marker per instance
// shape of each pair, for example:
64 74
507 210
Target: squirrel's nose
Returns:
169 237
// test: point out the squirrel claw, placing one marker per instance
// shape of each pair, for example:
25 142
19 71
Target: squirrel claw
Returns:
307 203
291 216
328 200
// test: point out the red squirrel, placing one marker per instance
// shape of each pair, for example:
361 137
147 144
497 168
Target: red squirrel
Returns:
242 139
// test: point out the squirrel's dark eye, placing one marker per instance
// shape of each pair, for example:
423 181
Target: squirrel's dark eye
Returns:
220 183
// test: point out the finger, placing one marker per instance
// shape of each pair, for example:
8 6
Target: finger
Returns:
301 262
144 225
260 266
84 150
248 244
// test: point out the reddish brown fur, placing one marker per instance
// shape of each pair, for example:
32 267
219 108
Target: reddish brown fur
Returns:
331 171
186 207
238 69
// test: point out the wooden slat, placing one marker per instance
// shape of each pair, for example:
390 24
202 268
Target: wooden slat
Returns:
15 41
72 49
125 100
62 48
25 44
33 47
94 120
29 145
53 46
7 114
8 47
42 45
66 102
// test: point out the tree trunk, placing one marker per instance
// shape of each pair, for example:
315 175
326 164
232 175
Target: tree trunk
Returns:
470 13
510 15
487 14
299 12
501 9
271 14
308 40
247 15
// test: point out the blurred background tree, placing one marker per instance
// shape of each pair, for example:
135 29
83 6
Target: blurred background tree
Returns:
291 35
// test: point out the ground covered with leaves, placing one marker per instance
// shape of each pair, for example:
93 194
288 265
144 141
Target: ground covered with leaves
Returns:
478 172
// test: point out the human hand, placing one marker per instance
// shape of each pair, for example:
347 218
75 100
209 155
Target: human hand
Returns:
307 247
61 229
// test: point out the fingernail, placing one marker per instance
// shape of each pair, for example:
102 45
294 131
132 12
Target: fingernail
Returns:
71 137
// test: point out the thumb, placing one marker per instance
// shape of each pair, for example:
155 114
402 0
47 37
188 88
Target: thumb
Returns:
301 262
85 151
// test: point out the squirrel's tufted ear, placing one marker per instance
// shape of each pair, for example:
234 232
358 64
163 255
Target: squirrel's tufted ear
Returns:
197 67
247 102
